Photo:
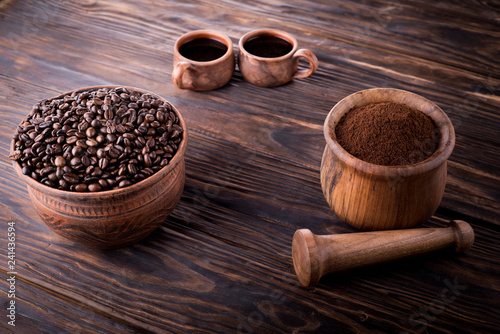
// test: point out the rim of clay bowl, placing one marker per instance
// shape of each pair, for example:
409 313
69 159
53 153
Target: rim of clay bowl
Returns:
373 95
177 158
205 33
268 32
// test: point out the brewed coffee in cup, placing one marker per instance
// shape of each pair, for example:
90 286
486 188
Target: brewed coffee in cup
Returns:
270 57
203 60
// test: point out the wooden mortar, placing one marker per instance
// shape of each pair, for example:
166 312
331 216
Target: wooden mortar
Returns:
376 197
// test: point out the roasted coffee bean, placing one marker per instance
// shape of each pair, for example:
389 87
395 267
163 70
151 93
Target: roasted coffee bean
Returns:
147 171
175 134
97 171
80 135
93 159
124 183
105 137
75 161
39 137
84 126
132 169
59 161
64 106
111 182
85 161
47 170
121 129
101 153
91 132
160 116
57 149
111 128
129 136
103 163
151 142
163 162
89 170
90 179
81 187
111 137
82 143
67 169
91 142
94 187
71 178
108 114
71 140
122 170
48 182
100 139
45 124
114 153
120 178
50 140
59 172
76 151
63 184
154 125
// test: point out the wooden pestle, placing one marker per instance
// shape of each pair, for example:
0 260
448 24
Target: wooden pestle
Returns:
317 255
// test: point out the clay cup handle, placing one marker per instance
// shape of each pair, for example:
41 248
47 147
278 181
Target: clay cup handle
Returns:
311 58
178 73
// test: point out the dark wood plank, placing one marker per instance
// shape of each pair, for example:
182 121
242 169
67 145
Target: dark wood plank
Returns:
173 254
470 113
39 310
222 262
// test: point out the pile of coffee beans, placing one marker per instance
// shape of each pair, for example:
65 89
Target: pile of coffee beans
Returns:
96 140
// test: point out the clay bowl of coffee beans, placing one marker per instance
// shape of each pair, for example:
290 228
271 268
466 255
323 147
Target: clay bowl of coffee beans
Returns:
385 161
104 166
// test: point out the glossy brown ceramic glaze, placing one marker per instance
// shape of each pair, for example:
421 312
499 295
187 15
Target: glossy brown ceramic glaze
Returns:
270 72
114 218
375 197
203 75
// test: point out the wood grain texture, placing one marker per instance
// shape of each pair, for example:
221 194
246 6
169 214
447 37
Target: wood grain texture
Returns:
315 256
222 261
374 197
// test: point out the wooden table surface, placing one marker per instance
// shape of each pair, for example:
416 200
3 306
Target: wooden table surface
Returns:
222 263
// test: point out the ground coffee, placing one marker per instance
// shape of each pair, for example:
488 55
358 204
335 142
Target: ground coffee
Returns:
388 133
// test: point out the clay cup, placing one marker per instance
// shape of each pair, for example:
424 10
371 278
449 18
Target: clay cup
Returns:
195 74
270 71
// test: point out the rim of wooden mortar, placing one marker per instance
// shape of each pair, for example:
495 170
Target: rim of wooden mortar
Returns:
415 101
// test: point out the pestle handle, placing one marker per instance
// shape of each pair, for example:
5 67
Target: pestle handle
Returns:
317 255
